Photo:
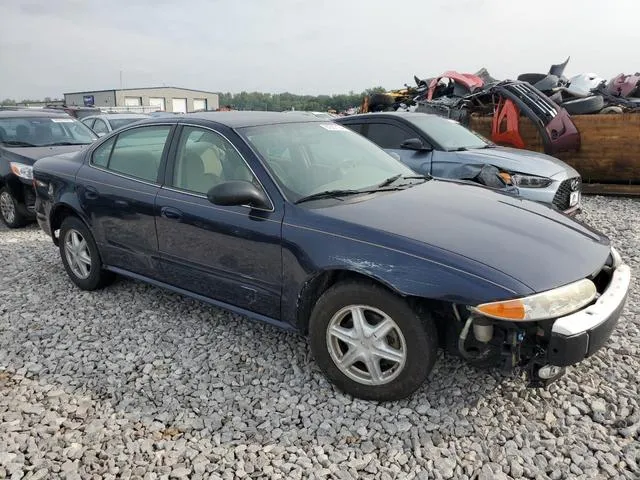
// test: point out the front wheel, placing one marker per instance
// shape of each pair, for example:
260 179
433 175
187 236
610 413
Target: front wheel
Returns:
80 255
9 210
370 343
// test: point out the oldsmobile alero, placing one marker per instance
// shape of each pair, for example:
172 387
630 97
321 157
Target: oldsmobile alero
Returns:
304 224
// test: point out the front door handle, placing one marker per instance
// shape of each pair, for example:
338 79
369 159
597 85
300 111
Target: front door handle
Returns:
171 213
91 193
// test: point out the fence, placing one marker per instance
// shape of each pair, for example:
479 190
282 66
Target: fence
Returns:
609 151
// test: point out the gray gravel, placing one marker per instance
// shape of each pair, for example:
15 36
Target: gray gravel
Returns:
135 382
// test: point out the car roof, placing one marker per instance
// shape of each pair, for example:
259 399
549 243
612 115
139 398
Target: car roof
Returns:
407 115
32 113
239 119
117 116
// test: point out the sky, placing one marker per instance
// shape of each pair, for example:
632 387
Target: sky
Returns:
48 47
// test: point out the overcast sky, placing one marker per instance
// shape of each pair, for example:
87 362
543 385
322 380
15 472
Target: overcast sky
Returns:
48 47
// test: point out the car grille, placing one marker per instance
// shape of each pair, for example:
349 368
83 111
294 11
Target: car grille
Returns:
562 197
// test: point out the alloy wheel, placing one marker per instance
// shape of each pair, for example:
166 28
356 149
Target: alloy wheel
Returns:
78 255
7 207
366 345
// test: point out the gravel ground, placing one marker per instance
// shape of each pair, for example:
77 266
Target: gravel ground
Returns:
135 382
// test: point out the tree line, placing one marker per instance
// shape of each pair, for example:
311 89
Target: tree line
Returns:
270 101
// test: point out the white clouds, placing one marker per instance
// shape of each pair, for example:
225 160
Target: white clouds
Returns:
309 47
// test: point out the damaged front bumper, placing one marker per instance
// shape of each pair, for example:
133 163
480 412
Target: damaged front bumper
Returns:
579 335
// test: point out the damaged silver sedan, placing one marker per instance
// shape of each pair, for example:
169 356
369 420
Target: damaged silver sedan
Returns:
441 147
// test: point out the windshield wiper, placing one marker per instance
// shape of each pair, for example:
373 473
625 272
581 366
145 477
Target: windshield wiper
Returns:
16 143
389 181
61 144
329 194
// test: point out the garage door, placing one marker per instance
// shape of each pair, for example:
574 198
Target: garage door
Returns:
157 103
132 101
179 105
199 104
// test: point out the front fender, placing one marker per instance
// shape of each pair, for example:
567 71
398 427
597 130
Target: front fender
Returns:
308 253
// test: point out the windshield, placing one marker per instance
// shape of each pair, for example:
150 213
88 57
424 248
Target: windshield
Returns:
44 131
308 158
117 123
449 134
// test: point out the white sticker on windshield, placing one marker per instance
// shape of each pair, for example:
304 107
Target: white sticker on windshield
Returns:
62 120
332 126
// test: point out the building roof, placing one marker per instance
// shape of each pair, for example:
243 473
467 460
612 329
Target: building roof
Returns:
141 88
238 119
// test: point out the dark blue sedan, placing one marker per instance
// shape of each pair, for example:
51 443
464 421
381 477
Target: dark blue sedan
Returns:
304 224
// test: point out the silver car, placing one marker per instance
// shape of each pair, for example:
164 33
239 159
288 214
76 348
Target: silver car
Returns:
108 122
429 144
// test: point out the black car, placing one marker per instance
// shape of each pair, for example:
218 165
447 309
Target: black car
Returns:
302 223
25 136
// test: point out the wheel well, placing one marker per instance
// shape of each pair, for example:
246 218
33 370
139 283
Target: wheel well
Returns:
316 286
57 217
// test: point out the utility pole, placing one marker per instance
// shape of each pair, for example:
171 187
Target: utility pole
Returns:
120 79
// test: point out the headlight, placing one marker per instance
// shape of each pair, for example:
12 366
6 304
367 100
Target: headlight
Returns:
541 306
22 170
530 181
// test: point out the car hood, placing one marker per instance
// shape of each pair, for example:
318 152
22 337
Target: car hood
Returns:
29 155
536 245
516 160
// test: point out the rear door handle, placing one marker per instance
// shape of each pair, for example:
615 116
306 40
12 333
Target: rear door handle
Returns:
91 193
171 213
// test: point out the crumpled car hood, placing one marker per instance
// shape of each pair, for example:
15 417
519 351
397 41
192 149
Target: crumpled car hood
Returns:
534 244
516 160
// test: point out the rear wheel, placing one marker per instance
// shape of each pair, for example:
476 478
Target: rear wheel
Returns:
80 255
370 343
9 210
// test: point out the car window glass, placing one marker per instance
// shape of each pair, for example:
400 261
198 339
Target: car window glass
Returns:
138 152
101 154
89 122
204 159
356 127
386 135
100 126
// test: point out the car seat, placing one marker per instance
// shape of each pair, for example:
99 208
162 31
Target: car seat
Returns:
193 176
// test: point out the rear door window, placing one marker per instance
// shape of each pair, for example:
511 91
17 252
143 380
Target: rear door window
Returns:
136 153
100 126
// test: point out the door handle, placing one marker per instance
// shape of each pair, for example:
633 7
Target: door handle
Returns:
171 213
121 203
91 193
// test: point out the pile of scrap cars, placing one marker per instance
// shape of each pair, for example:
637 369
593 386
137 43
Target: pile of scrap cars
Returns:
549 100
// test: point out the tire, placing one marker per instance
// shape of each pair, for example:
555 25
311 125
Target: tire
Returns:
583 106
611 109
411 340
86 270
10 210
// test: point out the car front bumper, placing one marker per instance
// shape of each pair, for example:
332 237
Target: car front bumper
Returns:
579 335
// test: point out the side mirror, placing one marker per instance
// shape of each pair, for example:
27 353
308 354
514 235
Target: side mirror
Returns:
414 144
238 192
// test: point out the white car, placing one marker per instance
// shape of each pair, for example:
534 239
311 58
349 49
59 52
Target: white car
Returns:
108 122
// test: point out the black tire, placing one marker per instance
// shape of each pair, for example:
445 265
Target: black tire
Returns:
417 329
12 218
584 106
97 276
